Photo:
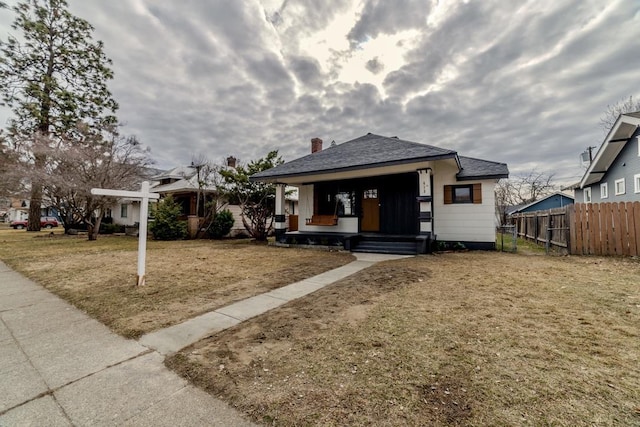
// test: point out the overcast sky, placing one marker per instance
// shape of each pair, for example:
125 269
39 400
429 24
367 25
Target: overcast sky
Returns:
522 82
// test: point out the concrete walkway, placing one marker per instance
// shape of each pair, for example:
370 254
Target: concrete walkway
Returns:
59 367
174 338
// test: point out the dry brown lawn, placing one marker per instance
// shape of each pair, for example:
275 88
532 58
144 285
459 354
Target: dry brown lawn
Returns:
472 338
184 278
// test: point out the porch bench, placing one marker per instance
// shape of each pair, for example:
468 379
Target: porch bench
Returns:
325 220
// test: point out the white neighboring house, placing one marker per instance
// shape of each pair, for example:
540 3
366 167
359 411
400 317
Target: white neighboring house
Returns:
126 212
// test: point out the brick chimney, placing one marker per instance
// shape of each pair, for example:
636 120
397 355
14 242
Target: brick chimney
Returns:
231 162
316 145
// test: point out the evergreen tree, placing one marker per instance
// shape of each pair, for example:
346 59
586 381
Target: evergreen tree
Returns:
256 199
53 77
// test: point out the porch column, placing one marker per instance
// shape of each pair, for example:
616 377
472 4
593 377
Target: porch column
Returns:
280 217
425 200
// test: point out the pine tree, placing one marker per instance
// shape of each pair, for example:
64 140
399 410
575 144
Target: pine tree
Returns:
53 77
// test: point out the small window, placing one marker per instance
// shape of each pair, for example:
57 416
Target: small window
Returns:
636 183
471 193
123 211
619 186
587 195
604 190
370 194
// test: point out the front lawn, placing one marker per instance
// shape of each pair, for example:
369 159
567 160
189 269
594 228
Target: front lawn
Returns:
474 338
184 278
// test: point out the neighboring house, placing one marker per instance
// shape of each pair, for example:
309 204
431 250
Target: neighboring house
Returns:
552 201
19 210
614 173
384 194
182 184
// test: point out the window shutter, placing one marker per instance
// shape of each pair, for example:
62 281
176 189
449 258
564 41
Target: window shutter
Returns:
477 193
448 195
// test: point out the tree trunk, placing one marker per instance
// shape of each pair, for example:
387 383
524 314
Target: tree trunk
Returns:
94 229
35 202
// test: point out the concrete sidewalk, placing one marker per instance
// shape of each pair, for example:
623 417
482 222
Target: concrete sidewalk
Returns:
59 367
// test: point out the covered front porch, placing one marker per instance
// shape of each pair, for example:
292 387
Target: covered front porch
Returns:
386 213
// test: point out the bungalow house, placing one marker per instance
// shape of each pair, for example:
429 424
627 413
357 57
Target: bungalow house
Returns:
614 173
385 194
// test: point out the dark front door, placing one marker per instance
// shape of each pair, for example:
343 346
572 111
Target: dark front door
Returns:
370 210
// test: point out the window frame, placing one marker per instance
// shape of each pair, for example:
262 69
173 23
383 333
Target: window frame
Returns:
124 210
604 194
586 195
623 189
636 183
475 194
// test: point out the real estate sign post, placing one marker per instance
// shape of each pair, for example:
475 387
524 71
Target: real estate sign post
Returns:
143 195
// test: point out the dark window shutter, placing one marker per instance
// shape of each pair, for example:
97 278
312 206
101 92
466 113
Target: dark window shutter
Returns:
448 194
477 193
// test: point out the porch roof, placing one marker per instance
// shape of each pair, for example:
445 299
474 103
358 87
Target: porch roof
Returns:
371 151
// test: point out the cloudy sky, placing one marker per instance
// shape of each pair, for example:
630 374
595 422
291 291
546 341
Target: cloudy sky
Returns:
522 82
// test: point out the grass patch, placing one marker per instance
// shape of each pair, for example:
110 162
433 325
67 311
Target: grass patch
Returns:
455 339
184 278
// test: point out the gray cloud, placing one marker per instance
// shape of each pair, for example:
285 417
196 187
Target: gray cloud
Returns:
522 84
374 65
385 17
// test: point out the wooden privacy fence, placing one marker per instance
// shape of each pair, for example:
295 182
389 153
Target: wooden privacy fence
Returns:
585 228
550 227
605 228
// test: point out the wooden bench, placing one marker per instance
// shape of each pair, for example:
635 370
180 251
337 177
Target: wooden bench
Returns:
325 220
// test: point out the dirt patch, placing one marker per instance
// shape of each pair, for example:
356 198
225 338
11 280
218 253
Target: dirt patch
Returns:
456 339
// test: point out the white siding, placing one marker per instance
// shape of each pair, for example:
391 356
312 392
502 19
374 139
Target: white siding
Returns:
462 222
133 213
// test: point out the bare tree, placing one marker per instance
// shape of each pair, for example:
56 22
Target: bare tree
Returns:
612 112
210 197
93 161
522 189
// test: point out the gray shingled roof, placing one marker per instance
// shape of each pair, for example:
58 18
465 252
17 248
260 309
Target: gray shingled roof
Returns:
477 168
374 151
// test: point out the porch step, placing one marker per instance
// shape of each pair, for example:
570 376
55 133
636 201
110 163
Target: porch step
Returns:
386 247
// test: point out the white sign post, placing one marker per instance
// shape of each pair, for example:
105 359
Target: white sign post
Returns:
144 195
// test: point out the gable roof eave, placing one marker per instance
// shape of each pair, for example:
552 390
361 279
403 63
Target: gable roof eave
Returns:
617 137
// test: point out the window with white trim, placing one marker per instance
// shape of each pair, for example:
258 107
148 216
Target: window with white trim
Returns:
619 186
604 190
123 210
587 195
636 183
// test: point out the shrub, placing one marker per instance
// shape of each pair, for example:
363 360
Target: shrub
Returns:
221 225
166 225
110 228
